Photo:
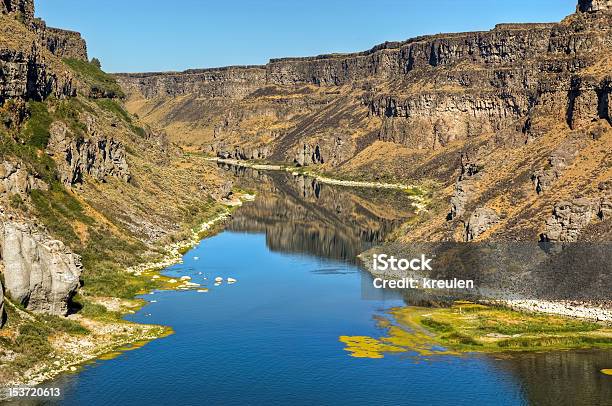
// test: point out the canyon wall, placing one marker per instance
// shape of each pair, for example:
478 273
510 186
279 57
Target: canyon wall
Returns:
425 92
508 123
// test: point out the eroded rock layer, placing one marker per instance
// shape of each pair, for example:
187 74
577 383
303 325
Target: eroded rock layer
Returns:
39 273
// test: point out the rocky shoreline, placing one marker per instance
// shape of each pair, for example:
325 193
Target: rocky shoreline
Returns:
320 178
593 310
87 350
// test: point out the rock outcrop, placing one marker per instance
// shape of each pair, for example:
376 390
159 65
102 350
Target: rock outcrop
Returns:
61 43
2 313
308 155
96 155
594 5
25 8
39 273
568 219
17 180
465 186
480 221
25 74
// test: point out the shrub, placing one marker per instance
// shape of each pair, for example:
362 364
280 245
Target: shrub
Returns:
37 126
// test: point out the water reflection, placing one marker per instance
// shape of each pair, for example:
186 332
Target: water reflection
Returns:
298 214
563 378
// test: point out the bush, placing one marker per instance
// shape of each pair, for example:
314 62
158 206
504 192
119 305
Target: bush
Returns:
62 324
37 126
33 340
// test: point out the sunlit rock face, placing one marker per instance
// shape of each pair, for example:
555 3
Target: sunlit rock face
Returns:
594 5
39 273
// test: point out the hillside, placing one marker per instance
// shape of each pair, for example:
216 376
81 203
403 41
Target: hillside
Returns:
86 190
510 127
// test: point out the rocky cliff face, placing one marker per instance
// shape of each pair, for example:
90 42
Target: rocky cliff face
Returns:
594 5
39 273
15 180
96 155
27 69
528 103
62 43
429 91
2 312
25 8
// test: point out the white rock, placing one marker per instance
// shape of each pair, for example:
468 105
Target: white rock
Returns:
217 283
155 277
231 280
218 279
185 278
202 290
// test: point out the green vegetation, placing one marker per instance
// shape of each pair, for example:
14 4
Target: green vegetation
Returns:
37 127
101 84
437 326
103 253
115 108
93 310
32 341
468 327
69 111
16 202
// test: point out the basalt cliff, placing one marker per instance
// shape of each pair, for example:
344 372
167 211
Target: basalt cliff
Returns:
510 127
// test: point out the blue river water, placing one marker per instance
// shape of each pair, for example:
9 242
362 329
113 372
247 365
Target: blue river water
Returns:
271 338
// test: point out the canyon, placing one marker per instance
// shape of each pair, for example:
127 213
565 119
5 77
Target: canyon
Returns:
507 125
505 134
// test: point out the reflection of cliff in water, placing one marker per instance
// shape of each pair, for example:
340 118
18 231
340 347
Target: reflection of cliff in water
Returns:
563 378
300 215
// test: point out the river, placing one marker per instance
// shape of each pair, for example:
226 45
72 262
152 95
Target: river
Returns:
271 338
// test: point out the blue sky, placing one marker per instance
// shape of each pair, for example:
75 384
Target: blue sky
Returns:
153 35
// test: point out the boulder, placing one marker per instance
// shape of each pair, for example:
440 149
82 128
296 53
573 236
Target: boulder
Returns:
40 273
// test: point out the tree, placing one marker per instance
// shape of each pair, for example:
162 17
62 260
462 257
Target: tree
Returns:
96 62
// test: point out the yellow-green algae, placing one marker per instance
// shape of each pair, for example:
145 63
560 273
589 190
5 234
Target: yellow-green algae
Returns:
471 327
132 346
606 371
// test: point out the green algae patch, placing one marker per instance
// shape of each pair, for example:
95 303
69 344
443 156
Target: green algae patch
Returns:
367 347
471 327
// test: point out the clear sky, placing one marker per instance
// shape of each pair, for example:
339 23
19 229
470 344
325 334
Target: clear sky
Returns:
155 35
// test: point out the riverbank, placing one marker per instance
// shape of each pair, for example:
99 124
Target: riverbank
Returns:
471 327
416 193
99 330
